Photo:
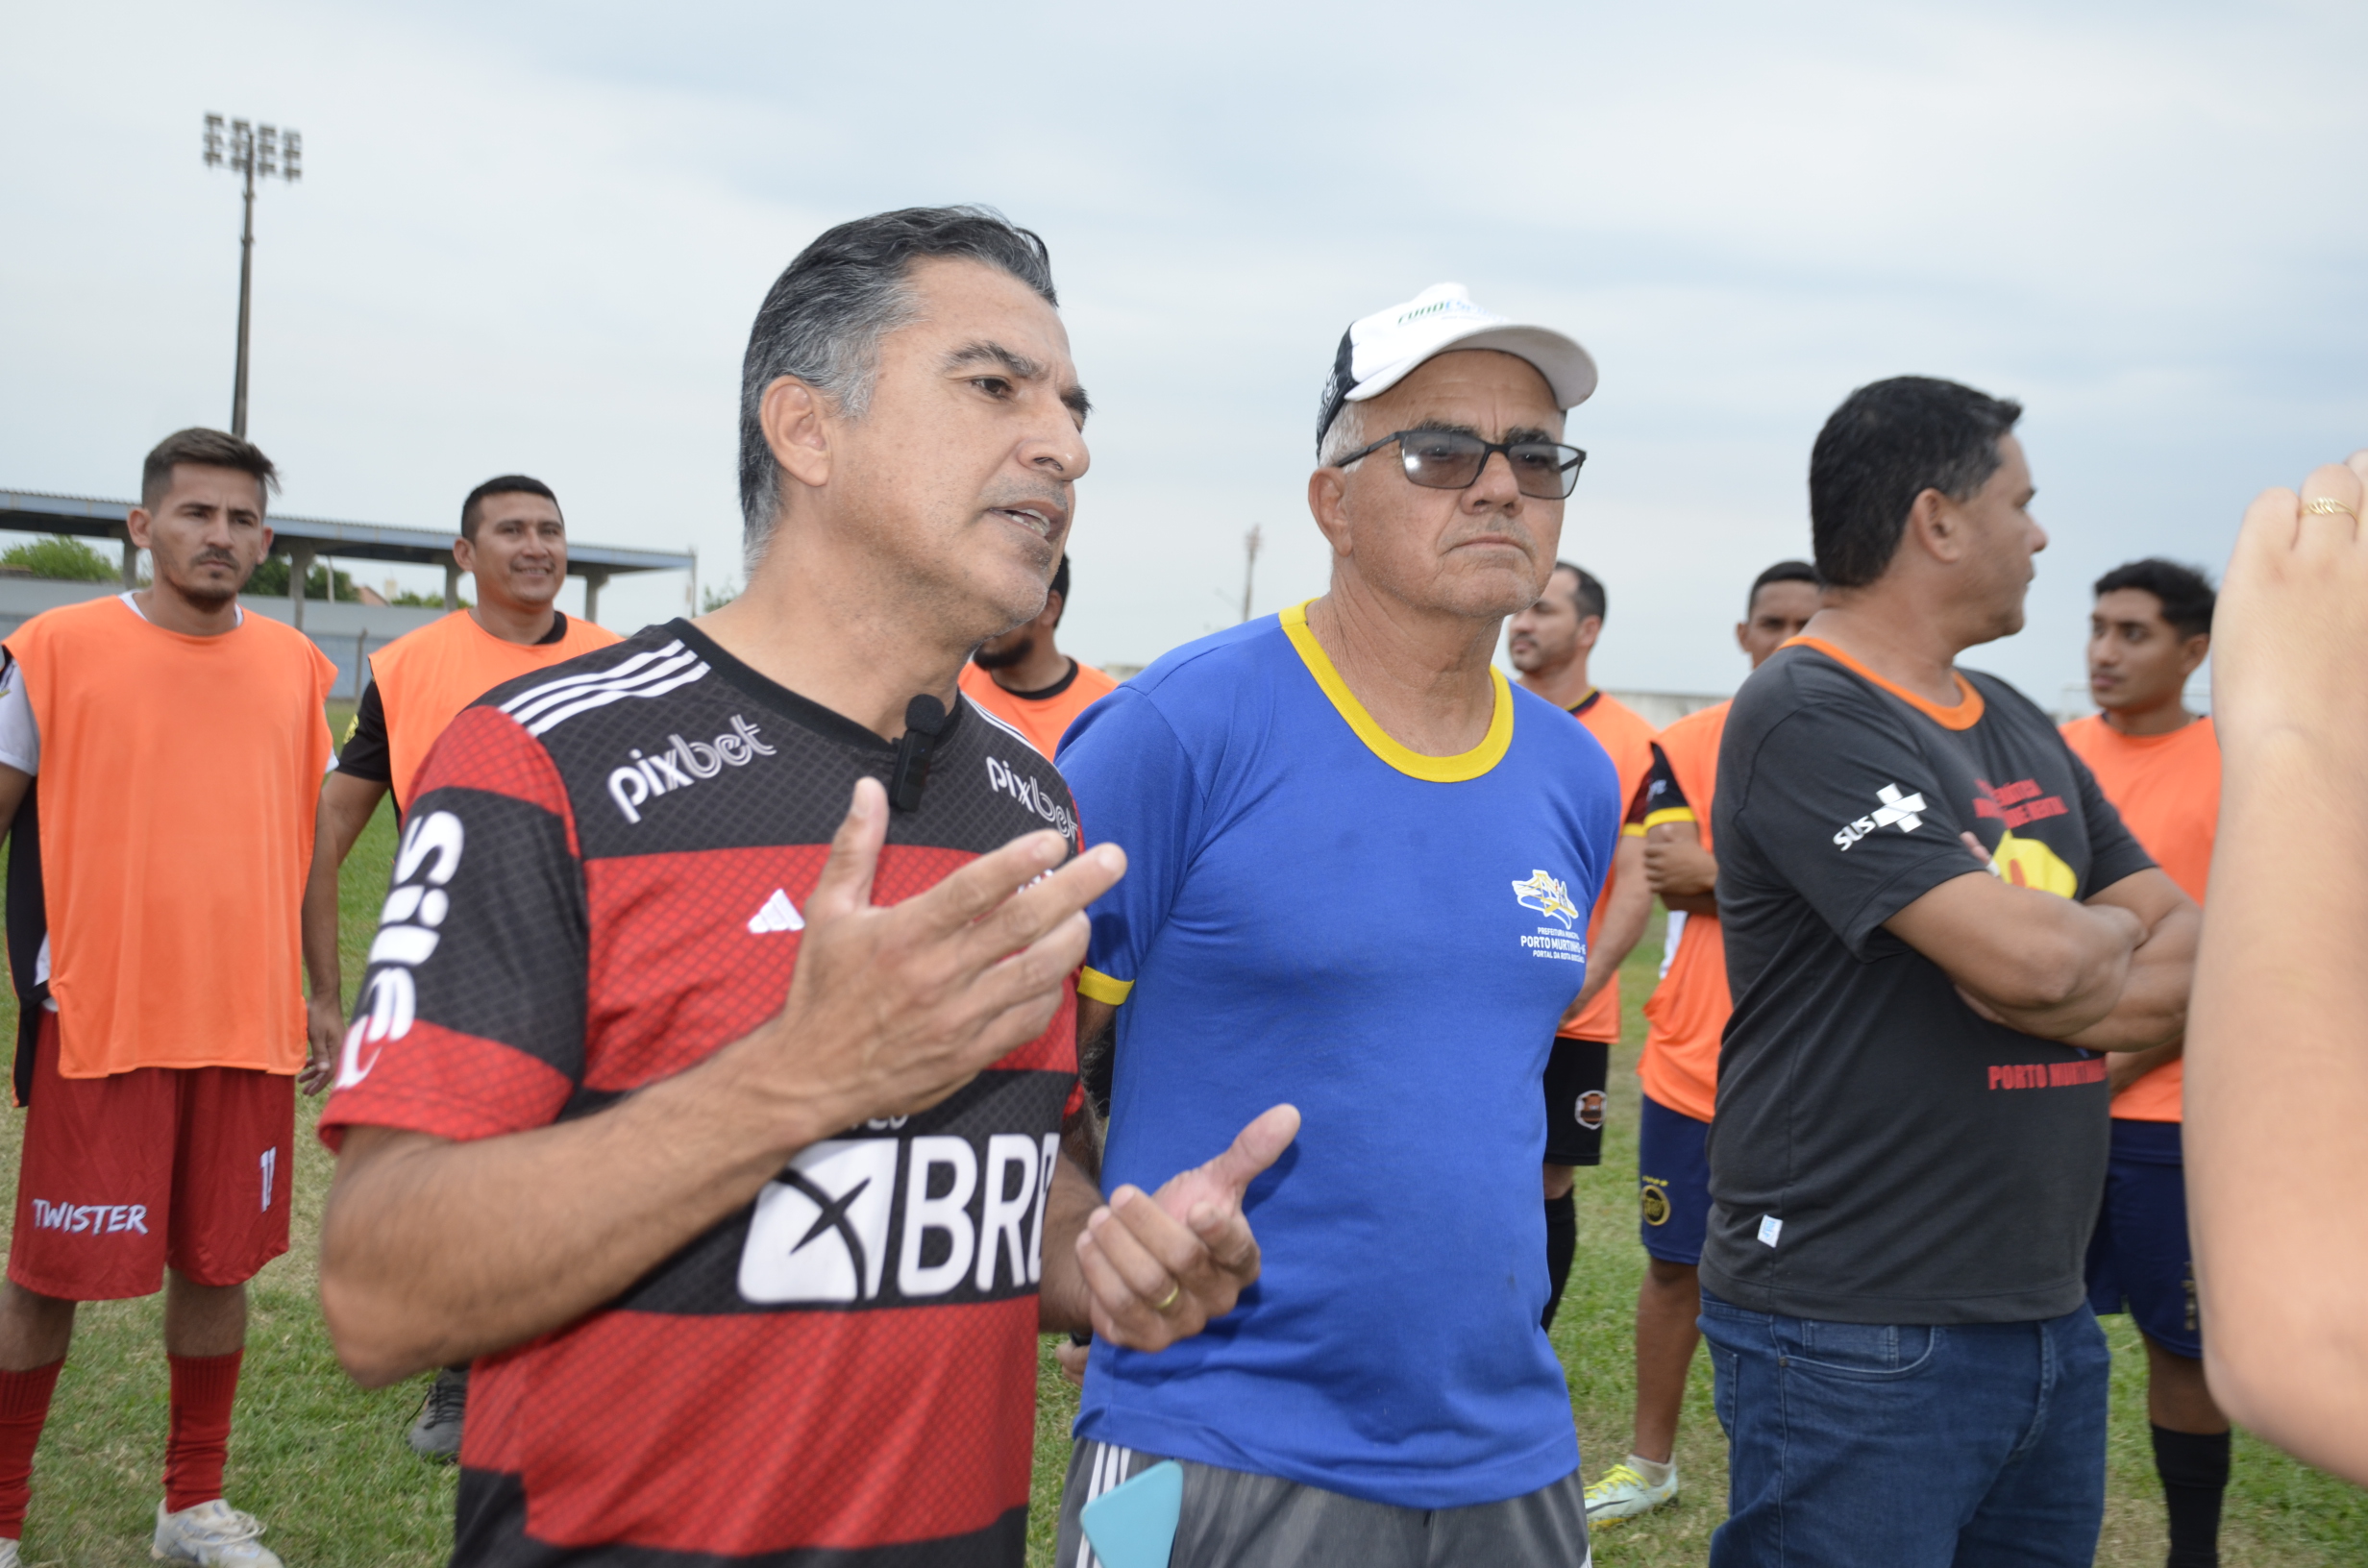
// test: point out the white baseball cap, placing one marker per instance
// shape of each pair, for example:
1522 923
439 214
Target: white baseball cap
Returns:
1383 349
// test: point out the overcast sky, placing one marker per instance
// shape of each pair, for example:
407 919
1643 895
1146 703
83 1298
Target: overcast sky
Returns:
530 237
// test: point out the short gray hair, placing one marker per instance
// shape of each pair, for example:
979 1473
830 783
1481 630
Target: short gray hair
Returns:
1345 436
824 318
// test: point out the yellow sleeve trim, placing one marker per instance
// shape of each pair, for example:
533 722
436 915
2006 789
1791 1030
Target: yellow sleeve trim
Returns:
1455 770
1633 830
1096 987
1669 814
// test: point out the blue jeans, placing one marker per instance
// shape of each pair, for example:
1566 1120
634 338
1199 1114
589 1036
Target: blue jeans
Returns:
1908 1446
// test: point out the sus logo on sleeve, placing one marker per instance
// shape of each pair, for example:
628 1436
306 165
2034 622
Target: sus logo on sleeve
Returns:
1894 807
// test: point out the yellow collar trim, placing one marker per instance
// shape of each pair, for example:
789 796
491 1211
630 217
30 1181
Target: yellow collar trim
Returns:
1455 770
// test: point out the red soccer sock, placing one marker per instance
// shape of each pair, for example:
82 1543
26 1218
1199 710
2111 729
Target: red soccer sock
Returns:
24 1406
198 1434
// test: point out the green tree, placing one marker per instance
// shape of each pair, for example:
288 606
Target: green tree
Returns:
66 560
270 580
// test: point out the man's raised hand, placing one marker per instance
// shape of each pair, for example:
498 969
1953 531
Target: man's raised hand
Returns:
1158 1266
891 1009
2293 614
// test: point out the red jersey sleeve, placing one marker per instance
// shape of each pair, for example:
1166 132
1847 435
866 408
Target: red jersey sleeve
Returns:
471 1017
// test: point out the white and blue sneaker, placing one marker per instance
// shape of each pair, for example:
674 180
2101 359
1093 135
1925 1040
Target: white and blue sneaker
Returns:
213 1534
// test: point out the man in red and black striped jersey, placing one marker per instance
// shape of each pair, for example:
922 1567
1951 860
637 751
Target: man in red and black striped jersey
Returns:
720 1122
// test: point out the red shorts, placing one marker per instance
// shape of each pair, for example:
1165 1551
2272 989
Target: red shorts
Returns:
123 1175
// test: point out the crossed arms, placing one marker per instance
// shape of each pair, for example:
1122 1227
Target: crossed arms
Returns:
2110 974
2107 974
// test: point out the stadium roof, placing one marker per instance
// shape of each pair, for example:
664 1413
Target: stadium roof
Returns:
33 511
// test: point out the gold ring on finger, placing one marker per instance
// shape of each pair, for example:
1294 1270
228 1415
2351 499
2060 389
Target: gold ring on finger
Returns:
1170 1299
2327 507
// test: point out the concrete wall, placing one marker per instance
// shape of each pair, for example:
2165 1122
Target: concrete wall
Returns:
348 633
21 598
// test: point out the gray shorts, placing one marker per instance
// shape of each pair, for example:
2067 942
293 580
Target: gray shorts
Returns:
1233 1519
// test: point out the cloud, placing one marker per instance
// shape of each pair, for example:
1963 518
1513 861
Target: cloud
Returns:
530 238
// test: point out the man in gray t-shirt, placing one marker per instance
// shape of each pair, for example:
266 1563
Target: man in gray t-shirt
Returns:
1937 931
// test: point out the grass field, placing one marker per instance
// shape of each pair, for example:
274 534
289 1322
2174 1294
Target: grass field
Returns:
324 1464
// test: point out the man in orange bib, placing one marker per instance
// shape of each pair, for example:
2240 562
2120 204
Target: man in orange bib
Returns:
153 897
1031 685
513 540
2159 765
1679 1069
1549 644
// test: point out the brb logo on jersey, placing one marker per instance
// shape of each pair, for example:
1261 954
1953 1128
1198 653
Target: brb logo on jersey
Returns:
1891 807
820 1232
966 1213
681 764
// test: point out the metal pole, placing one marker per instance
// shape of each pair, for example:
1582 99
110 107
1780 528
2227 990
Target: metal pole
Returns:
452 587
299 568
1249 566
592 581
246 286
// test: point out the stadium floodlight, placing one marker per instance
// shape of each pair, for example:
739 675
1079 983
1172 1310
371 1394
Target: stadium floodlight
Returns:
249 150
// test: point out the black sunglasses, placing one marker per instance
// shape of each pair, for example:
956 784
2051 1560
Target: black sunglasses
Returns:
1452 461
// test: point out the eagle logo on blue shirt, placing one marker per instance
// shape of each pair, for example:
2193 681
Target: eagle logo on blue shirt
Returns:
1548 895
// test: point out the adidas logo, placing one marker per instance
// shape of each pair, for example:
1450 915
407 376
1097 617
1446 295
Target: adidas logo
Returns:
777 915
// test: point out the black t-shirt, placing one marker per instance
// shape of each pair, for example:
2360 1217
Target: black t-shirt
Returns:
366 754
1882 1154
1659 792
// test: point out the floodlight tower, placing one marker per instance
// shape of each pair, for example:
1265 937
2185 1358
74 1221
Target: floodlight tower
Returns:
250 150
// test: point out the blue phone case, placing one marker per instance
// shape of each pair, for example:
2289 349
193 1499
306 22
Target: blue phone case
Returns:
1133 1524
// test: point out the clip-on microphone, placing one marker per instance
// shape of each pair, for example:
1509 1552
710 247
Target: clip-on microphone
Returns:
924 720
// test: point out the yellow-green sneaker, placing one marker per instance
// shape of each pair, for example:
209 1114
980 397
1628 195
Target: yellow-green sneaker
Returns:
1623 1493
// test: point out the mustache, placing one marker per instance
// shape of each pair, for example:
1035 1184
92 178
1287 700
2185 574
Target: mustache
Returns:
1054 499
214 557
1513 528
